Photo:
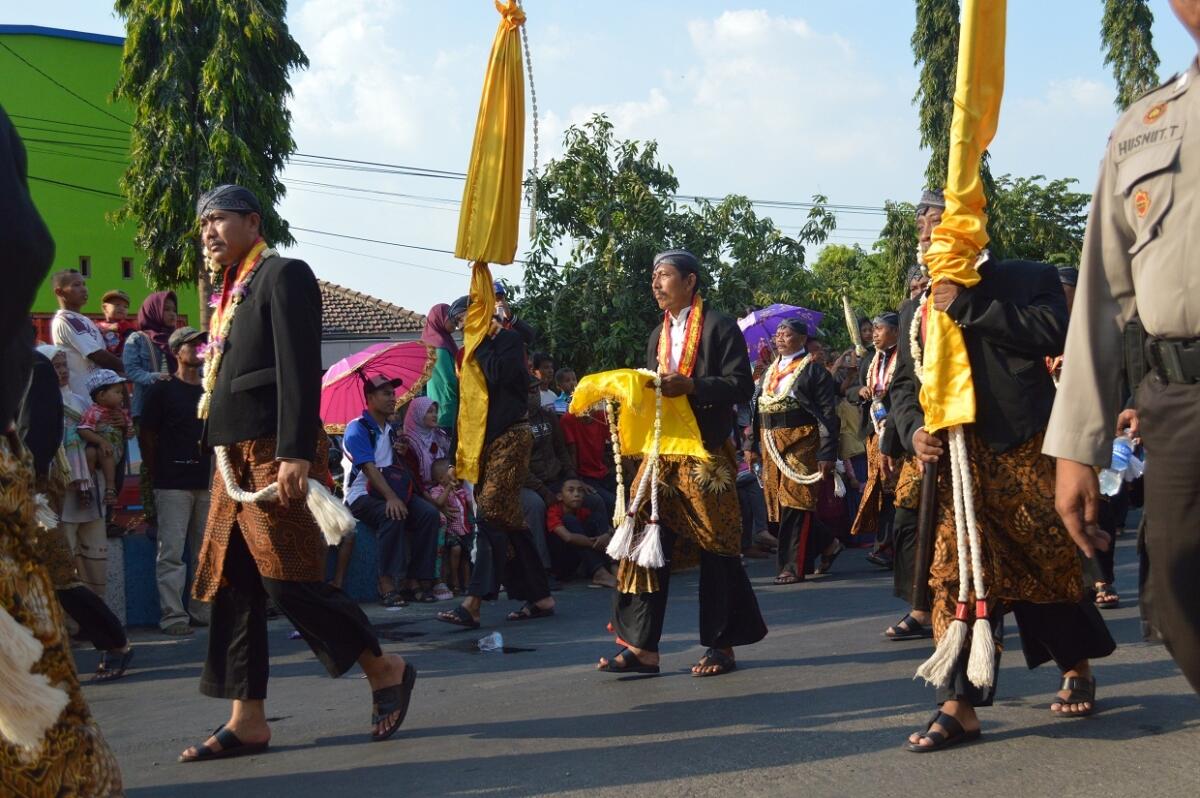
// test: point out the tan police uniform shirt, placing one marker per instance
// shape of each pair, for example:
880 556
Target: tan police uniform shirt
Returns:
1141 256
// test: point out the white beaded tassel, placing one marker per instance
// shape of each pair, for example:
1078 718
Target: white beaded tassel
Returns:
43 514
331 515
610 410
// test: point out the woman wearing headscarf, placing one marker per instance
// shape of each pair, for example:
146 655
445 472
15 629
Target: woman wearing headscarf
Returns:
148 359
426 440
442 387
794 399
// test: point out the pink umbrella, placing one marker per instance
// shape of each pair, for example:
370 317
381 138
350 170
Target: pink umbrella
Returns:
342 398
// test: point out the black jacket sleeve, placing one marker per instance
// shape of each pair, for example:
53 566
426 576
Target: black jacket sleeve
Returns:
734 382
816 390
500 359
296 322
26 252
905 414
1036 329
41 419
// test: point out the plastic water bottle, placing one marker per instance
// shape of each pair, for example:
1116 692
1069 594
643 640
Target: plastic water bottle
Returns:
1112 477
492 644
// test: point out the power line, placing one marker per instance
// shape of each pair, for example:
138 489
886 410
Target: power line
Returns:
380 257
65 122
69 91
101 192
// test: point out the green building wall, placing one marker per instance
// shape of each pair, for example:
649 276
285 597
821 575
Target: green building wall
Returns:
77 153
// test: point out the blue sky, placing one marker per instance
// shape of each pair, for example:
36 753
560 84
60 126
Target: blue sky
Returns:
774 100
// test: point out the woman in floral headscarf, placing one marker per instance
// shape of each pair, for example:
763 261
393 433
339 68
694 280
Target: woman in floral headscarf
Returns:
426 440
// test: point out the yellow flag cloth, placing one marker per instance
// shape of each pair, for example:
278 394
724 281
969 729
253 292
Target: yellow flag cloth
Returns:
633 390
489 221
472 386
947 393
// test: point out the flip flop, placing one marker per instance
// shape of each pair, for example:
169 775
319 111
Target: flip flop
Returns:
392 598
629 667
954 735
458 617
725 664
826 562
528 612
788 579
231 747
392 700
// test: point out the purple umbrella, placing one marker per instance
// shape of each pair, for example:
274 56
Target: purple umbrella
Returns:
759 327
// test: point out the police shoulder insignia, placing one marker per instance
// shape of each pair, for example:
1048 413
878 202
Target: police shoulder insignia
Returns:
1154 113
1141 203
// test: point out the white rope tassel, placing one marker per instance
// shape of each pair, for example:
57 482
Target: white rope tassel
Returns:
981 667
621 545
29 704
649 551
331 515
43 515
938 669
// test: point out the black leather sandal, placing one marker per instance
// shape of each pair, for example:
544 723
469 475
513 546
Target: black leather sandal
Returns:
231 747
390 701
723 662
954 735
1081 691
632 664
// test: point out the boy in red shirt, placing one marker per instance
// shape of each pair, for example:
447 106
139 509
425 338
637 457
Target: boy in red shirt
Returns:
116 327
587 440
577 539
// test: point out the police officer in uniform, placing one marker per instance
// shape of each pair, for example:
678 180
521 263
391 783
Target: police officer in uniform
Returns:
1139 258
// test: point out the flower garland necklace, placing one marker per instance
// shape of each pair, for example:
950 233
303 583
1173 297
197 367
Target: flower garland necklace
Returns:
873 370
914 338
777 387
647 552
224 311
691 339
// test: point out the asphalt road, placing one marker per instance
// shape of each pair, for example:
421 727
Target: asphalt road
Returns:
819 708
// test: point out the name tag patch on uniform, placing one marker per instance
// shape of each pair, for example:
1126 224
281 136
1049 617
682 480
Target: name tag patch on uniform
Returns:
1141 203
1154 112
1132 144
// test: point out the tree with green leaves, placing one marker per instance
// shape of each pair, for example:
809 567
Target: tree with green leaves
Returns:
935 52
208 84
1034 219
1125 31
605 208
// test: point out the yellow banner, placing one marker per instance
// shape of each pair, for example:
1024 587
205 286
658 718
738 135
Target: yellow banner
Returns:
491 205
472 387
948 393
633 390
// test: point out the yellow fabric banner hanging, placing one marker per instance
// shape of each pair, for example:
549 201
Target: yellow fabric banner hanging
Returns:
635 424
948 393
489 220
472 387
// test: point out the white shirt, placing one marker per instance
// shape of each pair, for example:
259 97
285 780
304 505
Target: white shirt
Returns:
786 360
383 458
549 398
678 337
79 337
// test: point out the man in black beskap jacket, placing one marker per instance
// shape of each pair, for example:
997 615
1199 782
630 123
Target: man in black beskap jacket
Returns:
700 499
1011 321
264 410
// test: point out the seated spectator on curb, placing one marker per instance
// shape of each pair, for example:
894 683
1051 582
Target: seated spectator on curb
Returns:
578 538
116 327
587 439
381 493
426 441
543 368
451 497
181 471
550 465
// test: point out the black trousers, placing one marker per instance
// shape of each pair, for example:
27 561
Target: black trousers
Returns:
802 537
1065 633
567 560
523 576
884 535
1170 423
904 569
729 614
96 621
334 627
